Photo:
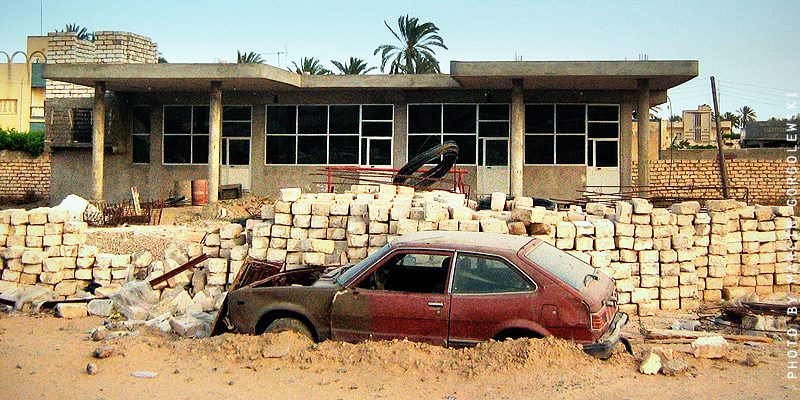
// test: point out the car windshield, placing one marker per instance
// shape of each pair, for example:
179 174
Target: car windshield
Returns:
564 266
349 273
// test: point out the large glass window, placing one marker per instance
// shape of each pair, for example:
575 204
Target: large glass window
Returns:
185 134
236 128
468 125
141 135
330 134
566 134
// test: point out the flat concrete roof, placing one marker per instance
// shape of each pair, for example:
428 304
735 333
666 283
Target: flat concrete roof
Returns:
545 75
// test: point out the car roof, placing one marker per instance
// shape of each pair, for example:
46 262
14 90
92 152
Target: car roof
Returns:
458 240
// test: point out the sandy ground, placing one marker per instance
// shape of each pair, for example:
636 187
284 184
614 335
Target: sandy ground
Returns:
43 357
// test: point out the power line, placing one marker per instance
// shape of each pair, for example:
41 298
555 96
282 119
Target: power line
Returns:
762 87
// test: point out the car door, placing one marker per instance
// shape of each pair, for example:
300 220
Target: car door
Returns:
402 296
489 295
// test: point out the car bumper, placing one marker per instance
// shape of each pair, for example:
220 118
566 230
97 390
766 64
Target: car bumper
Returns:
605 345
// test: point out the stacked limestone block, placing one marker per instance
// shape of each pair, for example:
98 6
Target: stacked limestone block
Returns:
41 247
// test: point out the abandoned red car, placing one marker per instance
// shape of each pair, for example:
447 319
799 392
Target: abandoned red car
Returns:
444 288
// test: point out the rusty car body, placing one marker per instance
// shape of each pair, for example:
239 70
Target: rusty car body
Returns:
443 288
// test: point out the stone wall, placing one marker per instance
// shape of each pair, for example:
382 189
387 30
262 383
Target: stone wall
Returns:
763 174
22 175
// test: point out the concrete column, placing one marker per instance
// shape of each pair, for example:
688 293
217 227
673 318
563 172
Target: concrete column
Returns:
98 139
643 122
214 140
516 158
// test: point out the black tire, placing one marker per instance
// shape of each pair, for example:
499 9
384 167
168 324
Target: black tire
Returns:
448 151
289 324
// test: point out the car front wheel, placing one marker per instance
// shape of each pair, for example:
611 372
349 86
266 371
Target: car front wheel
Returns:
289 324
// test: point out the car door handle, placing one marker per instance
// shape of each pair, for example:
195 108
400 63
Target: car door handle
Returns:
435 304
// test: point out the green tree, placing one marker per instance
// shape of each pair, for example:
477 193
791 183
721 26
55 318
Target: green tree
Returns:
415 55
729 116
355 66
248 58
746 114
80 33
310 66
675 118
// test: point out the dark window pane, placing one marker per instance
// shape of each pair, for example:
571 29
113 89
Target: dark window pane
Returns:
235 129
239 150
570 149
236 113
177 149
603 130
419 143
200 149
539 118
82 125
475 274
344 119
141 149
496 153
376 128
459 118
590 153
312 119
539 149
380 152
364 148
141 119
200 119
344 149
570 118
493 129
281 119
177 119
424 118
493 112
466 148
280 149
312 150
607 154
603 113
382 112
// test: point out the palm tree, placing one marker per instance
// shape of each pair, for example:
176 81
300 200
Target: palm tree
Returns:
415 55
248 58
356 66
310 66
675 118
729 116
80 33
746 114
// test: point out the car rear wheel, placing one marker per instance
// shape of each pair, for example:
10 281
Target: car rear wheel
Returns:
289 324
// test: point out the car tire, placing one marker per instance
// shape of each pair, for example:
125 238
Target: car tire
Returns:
289 324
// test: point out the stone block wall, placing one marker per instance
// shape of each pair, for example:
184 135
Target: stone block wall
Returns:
22 174
765 179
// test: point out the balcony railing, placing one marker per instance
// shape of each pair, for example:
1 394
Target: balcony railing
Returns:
37 112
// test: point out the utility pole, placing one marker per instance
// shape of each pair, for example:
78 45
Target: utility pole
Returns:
720 154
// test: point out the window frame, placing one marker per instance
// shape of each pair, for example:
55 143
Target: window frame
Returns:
354 283
478 138
359 135
225 148
145 135
191 134
506 261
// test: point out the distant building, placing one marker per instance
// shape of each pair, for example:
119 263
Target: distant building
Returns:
771 133
22 89
697 127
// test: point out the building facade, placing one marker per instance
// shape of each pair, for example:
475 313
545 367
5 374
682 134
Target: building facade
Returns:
543 129
697 126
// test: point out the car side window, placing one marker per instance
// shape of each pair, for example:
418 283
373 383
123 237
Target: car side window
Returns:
410 272
475 274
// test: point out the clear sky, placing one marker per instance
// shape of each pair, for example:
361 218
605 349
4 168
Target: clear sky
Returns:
752 47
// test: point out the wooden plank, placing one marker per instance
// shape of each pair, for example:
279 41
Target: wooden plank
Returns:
136 205
667 335
191 263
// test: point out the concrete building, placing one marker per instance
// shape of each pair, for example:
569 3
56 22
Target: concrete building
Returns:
543 129
22 88
697 126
